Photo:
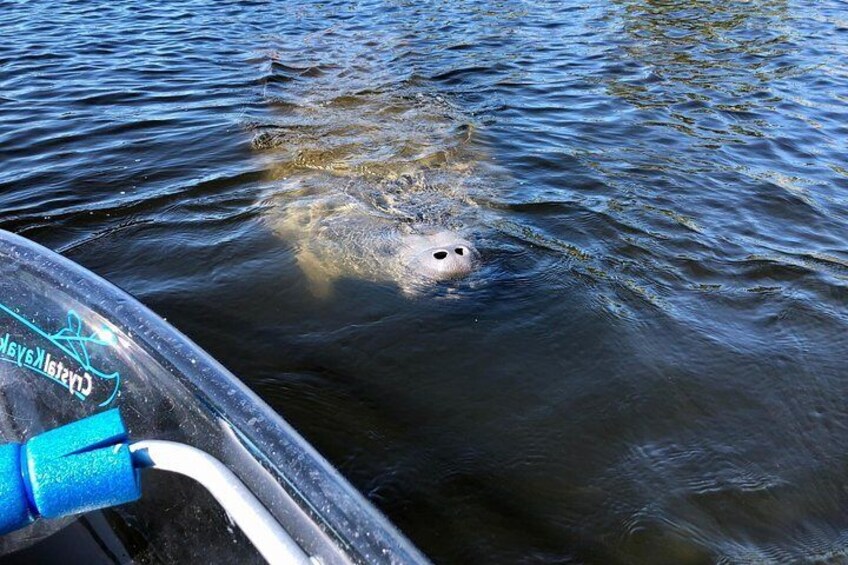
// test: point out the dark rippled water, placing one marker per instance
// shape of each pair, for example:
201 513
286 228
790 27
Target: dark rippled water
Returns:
654 370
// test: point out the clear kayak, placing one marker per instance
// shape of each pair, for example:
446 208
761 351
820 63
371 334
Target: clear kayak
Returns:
72 346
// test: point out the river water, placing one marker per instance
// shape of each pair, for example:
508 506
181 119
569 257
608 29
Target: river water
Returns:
651 367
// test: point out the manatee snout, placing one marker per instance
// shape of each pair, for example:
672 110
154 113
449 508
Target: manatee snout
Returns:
440 256
446 262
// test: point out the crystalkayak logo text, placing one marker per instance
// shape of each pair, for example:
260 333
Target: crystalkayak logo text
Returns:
62 356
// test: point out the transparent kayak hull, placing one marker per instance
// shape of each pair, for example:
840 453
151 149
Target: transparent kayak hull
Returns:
72 345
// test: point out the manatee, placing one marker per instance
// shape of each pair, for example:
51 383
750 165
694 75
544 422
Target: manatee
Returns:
338 232
378 184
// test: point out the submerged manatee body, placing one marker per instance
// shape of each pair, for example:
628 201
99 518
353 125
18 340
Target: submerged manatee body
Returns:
342 233
376 184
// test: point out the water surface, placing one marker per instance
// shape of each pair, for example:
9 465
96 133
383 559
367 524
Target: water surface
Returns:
654 368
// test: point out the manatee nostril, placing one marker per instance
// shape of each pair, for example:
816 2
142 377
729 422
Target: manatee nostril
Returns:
459 251
440 255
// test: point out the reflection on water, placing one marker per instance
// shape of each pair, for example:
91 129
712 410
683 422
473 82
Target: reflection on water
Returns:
650 369
701 52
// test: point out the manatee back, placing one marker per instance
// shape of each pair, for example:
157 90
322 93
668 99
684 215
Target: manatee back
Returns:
334 235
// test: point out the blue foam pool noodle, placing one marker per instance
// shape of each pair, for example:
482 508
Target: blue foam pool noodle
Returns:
14 507
77 468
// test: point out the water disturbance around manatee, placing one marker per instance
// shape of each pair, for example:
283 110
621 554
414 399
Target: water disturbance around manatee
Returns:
649 365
